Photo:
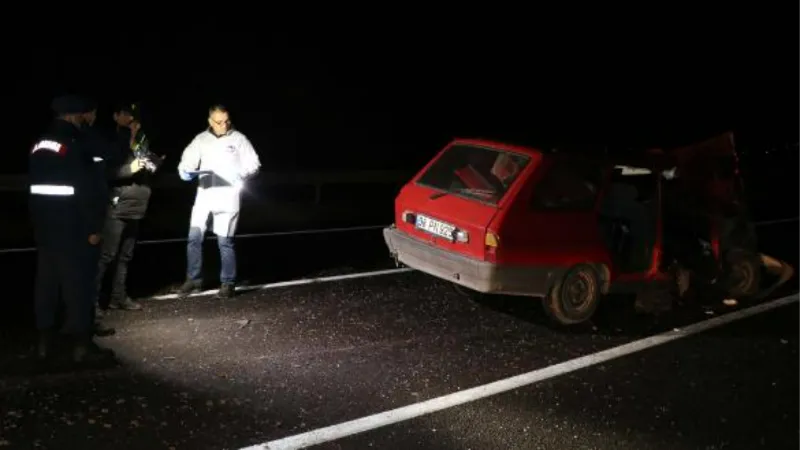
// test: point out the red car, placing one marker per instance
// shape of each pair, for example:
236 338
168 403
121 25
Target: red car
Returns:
568 227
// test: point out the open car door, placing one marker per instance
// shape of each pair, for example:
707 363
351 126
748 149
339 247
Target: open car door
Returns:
707 187
711 167
710 170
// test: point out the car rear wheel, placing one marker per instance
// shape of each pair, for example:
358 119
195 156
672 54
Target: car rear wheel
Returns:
742 274
573 299
467 292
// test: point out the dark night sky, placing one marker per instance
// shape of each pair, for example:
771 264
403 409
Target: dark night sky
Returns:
340 95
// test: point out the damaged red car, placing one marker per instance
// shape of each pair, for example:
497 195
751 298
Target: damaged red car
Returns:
571 227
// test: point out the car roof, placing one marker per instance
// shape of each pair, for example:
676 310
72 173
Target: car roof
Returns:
498 145
593 153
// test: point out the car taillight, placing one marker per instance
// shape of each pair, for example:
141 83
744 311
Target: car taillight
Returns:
491 240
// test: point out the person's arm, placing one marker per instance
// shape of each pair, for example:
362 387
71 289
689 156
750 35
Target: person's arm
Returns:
156 160
85 178
135 127
248 159
190 159
128 168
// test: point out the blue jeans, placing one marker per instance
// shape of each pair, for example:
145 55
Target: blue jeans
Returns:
194 257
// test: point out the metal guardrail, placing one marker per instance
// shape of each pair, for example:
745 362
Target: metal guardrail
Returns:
170 179
311 231
777 221
238 236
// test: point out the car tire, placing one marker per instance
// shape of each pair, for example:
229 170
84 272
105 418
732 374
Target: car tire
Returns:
467 292
574 297
683 282
742 274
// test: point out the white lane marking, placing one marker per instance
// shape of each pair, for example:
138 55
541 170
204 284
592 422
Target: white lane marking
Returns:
326 434
289 283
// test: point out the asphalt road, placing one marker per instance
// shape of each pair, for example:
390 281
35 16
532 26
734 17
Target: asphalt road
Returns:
735 387
203 373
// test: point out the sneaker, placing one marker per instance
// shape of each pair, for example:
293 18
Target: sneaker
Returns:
190 287
227 290
128 304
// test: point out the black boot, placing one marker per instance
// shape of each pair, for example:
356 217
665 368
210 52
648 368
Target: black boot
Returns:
226 291
49 354
126 304
86 353
101 330
44 348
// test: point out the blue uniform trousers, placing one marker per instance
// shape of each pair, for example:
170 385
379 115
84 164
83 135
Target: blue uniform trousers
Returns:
66 273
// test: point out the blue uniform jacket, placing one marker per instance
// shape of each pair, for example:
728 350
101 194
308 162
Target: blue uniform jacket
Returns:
66 203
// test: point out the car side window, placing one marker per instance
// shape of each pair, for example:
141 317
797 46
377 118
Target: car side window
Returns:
567 186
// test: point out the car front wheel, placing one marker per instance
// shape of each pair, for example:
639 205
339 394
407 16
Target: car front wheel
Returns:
742 274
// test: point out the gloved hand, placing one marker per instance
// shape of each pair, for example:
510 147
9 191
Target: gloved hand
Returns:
136 165
185 176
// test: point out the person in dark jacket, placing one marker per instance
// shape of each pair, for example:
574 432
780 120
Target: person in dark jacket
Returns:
130 196
106 159
67 220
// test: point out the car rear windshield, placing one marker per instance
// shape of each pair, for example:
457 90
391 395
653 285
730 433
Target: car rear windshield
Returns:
475 172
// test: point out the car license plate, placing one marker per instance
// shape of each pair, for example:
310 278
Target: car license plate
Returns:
435 227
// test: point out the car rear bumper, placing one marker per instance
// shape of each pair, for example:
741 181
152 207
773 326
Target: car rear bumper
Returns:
478 275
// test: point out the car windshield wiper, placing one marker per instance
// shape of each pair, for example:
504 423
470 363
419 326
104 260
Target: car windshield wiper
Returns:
477 191
441 194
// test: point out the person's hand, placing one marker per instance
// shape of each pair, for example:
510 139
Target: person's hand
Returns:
135 126
94 239
136 165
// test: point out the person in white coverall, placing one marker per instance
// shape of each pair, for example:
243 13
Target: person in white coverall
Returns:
222 159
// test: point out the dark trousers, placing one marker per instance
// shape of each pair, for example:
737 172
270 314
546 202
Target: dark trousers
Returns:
119 241
66 274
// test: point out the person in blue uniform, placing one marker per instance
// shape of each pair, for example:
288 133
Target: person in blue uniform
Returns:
67 220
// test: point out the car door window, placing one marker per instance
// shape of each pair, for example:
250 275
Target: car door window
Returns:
567 186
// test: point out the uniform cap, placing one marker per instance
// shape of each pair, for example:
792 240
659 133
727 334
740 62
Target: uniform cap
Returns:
72 104
130 108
